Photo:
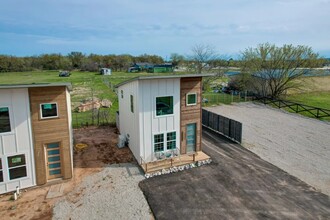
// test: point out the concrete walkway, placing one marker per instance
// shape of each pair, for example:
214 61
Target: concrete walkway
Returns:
237 185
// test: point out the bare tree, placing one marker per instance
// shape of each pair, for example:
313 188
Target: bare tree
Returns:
201 58
274 70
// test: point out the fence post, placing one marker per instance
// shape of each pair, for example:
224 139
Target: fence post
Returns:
245 94
232 96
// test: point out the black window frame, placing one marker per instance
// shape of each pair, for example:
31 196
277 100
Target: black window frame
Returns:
48 117
13 167
7 125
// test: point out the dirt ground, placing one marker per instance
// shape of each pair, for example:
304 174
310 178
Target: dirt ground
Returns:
102 150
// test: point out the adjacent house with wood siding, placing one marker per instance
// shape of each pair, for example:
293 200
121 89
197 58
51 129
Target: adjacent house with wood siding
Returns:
160 116
35 135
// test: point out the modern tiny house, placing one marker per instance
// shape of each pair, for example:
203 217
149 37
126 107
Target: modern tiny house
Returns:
35 135
161 115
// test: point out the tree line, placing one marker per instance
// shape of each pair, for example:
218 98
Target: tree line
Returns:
74 60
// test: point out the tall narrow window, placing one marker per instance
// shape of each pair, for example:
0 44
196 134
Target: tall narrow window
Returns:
132 104
158 142
191 99
164 105
49 110
171 140
1 173
4 120
17 166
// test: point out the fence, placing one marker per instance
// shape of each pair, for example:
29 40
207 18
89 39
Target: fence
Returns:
225 126
296 107
97 117
225 98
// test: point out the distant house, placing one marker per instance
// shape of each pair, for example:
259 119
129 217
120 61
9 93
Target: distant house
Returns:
137 67
161 115
105 71
161 68
35 135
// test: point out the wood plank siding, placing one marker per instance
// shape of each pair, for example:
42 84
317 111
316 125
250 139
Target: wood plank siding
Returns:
190 114
50 130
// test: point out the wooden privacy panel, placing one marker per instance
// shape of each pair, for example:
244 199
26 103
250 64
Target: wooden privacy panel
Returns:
190 113
225 126
51 130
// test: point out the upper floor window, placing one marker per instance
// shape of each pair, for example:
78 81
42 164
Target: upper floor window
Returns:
164 105
4 120
49 110
191 99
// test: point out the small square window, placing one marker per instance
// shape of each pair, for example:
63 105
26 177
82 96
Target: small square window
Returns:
49 110
191 99
164 105
4 120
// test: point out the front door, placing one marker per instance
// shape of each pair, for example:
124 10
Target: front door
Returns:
191 137
53 159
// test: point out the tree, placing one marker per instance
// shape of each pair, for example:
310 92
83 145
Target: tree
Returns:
76 59
274 70
176 59
201 58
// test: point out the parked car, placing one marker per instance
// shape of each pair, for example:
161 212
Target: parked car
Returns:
64 74
205 100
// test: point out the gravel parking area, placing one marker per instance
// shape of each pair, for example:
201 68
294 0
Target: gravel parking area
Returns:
112 193
296 144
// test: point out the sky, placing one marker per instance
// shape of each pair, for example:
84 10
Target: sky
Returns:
160 27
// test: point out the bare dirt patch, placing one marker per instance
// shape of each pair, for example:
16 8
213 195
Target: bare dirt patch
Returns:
294 143
102 150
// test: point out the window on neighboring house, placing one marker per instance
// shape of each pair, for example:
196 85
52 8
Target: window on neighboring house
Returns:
158 142
17 166
132 104
191 99
1 173
122 94
49 110
4 120
164 105
171 141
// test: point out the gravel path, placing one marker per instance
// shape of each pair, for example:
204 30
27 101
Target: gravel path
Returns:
296 144
111 194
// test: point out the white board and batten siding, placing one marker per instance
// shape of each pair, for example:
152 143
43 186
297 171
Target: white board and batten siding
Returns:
150 124
19 140
129 122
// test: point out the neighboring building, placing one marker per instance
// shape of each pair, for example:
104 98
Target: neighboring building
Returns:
105 71
35 135
137 67
161 115
161 68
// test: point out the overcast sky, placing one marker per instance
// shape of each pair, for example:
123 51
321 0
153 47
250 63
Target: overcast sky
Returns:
160 27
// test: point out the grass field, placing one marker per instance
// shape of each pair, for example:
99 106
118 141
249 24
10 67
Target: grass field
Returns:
84 84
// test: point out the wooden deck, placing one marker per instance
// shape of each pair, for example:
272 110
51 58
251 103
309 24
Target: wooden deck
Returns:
167 163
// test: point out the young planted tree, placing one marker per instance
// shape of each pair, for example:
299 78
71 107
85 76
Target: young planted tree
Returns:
274 70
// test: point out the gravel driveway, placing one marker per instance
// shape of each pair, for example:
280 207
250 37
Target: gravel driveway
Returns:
296 144
112 193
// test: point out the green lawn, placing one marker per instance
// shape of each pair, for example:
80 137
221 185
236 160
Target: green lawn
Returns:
85 85
317 99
